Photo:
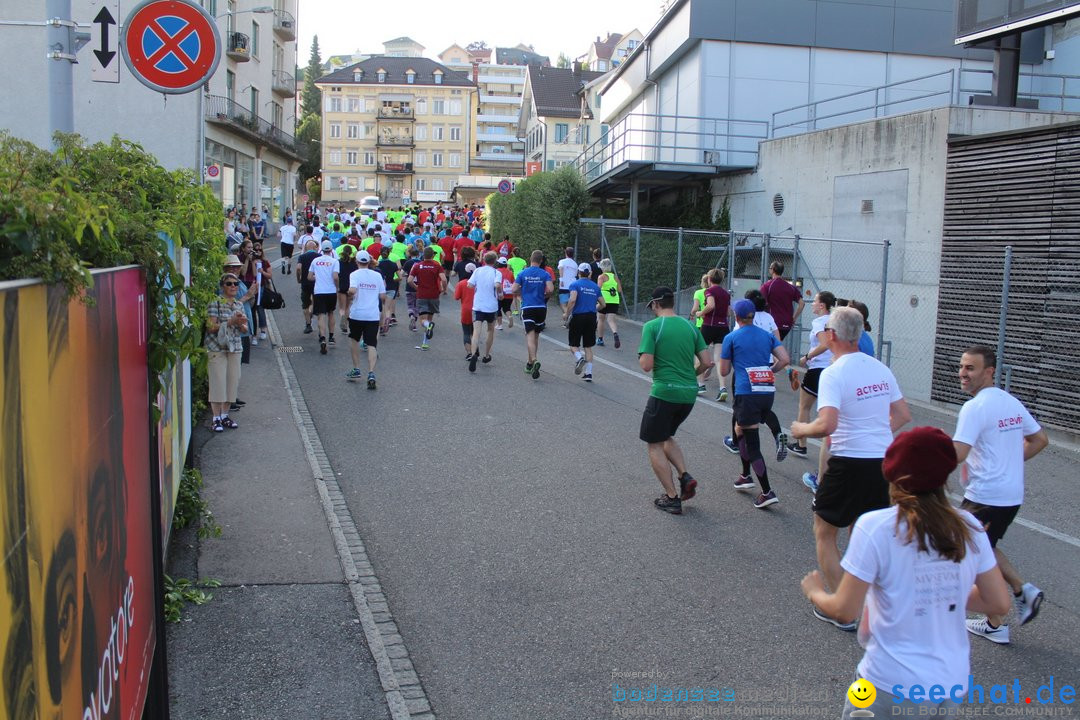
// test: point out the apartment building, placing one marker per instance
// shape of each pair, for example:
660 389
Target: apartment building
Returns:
396 127
242 123
497 150
603 55
554 104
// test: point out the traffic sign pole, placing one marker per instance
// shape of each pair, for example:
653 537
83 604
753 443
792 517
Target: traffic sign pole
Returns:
61 56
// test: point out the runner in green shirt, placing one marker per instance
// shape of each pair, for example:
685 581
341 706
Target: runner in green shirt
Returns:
669 345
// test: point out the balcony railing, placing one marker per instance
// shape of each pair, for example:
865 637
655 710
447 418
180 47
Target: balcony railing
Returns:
396 113
238 46
283 83
395 141
284 24
225 112
394 168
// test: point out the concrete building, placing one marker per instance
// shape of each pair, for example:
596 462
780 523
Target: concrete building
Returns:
395 127
551 110
403 47
497 150
603 55
243 123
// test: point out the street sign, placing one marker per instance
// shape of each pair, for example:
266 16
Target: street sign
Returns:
105 67
505 186
531 168
213 172
171 46
406 197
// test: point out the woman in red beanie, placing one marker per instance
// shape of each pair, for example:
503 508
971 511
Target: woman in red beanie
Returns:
919 566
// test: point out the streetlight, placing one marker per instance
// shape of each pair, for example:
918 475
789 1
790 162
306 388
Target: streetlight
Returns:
260 10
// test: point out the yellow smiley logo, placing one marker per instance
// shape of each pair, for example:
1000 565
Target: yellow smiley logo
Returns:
862 693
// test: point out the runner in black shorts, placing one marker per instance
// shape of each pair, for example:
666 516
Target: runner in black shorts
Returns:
849 488
661 419
534 286
995 519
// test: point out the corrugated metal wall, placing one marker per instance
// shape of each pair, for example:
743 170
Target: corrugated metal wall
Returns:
1020 189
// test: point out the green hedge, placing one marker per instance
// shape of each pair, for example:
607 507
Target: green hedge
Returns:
103 205
541 214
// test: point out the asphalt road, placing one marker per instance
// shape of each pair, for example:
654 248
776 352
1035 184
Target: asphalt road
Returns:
511 524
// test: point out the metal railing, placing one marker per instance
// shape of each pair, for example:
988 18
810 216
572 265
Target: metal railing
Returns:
1060 101
393 168
396 113
222 109
680 139
285 24
395 141
237 45
283 83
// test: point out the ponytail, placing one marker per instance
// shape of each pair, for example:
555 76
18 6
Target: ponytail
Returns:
861 307
932 522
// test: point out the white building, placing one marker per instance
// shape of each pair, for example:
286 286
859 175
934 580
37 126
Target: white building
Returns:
551 114
243 124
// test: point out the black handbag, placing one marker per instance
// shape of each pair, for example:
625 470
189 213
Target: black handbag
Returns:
271 298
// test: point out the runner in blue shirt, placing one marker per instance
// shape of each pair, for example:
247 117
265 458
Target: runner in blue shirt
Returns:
750 352
585 297
534 286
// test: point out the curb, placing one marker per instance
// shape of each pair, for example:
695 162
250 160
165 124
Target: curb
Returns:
405 694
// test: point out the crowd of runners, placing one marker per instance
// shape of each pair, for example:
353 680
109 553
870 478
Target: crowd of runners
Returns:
352 268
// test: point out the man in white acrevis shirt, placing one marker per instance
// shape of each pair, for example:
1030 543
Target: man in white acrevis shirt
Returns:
860 406
488 284
995 435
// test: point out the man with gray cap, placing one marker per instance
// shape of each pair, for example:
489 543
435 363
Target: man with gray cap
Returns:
585 298
367 293
755 355
324 273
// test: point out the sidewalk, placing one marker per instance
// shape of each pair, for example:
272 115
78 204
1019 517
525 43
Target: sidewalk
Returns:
281 637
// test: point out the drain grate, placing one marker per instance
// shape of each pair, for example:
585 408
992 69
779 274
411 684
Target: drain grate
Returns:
290 348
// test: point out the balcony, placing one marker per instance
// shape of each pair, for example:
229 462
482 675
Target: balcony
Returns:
502 79
500 100
386 140
499 157
238 46
284 25
241 121
396 113
492 118
283 84
498 137
394 169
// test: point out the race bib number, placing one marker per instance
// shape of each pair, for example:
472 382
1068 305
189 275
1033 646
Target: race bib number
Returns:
761 379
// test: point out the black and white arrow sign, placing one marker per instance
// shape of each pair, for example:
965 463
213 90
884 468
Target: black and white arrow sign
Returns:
105 66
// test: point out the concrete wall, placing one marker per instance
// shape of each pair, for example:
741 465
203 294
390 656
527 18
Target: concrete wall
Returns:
898 165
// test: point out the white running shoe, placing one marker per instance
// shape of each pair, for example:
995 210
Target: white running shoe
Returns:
1028 604
981 627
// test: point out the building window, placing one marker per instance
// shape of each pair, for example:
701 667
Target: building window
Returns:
420 132
254 39
437 132
455 160
604 134
585 135
562 130
455 132
437 184
369 184
358 75
420 158
601 65
333 104
421 106
335 157
255 102
351 157
352 131
353 183
335 130
630 45
438 107
597 101
436 159
438 77
354 105
369 130
410 76
550 164
455 107
421 184
381 75
369 158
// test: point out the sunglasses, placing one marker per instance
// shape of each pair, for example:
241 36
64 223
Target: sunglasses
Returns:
231 284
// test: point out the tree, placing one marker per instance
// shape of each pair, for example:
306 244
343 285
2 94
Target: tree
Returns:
477 46
564 61
312 101
309 143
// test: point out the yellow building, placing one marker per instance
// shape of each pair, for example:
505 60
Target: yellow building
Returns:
400 128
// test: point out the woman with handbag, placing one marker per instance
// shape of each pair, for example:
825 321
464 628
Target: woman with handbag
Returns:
263 274
225 322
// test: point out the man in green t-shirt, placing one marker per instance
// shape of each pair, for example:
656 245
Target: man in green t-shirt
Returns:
668 347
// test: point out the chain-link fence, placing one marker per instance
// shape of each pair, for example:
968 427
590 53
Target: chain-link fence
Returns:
898 284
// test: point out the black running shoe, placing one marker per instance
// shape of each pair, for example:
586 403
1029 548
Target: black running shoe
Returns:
671 505
688 486
794 449
472 361
371 381
536 370
486 359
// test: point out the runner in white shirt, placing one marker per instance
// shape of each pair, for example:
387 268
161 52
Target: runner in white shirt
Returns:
567 269
488 283
860 406
367 292
816 359
287 232
916 567
995 435
317 231
324 273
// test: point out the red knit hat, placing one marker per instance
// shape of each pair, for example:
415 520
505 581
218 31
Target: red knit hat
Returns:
920 460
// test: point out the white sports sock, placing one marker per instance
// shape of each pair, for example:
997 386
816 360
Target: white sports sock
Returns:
578 355
588 368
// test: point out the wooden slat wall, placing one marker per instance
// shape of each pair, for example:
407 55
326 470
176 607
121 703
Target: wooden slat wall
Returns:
1020 189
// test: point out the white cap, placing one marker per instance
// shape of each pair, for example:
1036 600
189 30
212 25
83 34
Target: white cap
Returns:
326 245
470 268
501 261
363 257
584 268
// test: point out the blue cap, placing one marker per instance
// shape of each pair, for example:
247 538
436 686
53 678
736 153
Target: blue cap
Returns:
744 308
